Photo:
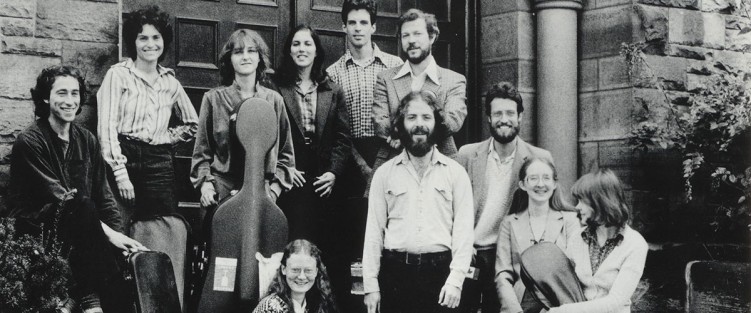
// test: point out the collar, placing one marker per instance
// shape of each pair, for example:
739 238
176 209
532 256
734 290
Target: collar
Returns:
431 71
509 158
377 54
589 236
299 307
261 91
437 158
130 65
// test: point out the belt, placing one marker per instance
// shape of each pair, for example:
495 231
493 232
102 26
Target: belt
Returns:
416 258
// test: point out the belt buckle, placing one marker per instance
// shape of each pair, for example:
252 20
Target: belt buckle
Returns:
407 257
308 140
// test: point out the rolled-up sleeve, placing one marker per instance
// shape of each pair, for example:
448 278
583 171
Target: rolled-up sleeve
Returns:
185 112
203 150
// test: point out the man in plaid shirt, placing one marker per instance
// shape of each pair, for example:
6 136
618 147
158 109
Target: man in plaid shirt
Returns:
356 72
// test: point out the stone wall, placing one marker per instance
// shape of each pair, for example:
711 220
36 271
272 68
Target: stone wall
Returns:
507 53
35 34
683 38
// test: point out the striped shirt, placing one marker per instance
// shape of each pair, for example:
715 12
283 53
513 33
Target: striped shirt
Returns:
358 81
130 106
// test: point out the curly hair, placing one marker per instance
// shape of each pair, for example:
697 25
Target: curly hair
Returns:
133 25
414 14
319 298
397 124
240 39
520 200
503 90
41 92
286 74
604 192
371 6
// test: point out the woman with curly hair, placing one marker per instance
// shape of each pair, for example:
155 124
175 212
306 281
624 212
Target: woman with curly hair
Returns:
301 283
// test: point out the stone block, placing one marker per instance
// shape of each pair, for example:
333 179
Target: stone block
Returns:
616 154
20 72
508 36
67 20
10 26
520 73
700 68
605 115
16 116
697 83
718 5
736 59
695 28
738 34
17 8
603 31
610 3
94 59
588 156
492 7
669 71
588 75
32 46
689 4
613 73
689 52
653 23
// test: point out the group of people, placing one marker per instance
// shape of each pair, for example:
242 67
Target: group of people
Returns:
364 166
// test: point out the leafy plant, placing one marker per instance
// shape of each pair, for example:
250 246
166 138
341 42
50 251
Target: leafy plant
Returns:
32 278
710 133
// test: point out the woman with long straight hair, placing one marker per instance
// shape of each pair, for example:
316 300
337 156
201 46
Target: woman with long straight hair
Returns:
217 169
537 214
320 133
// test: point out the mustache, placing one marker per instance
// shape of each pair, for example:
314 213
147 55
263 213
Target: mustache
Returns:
419 130
412 46
499 124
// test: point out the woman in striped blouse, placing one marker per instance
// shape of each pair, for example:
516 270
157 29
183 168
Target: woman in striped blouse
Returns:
136 101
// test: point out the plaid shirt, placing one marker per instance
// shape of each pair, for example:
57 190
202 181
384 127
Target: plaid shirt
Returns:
307 100
598 254
358 82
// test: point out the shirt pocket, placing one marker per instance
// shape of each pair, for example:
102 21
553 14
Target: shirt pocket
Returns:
396 201
444 193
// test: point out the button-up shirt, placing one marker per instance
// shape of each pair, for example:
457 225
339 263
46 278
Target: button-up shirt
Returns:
130 105
415 214
430 72
358 81
498 178
307 100
596 253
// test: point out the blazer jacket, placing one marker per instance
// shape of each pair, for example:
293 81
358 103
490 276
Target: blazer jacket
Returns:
333 145
474 158
515 237
451 95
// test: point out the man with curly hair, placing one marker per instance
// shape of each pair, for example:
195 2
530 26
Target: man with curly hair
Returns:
58 187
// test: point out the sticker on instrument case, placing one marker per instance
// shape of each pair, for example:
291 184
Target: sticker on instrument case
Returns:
224 274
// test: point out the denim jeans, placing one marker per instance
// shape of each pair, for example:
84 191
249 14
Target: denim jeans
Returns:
152 173
412 288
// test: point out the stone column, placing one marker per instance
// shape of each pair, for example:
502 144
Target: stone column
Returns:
557 88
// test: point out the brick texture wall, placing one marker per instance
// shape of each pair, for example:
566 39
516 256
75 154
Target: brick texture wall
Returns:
35 34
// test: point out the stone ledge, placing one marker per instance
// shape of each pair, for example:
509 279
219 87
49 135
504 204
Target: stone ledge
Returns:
689 4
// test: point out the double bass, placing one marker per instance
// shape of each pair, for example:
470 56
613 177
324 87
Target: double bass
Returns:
246 223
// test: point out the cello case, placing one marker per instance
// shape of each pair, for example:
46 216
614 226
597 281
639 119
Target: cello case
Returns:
246 223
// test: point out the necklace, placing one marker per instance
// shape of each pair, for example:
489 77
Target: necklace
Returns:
534 239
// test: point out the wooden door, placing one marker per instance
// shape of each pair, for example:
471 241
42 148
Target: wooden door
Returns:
201 28
449 51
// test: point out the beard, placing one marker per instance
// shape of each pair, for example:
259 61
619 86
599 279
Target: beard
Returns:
504 138
418 148
424 53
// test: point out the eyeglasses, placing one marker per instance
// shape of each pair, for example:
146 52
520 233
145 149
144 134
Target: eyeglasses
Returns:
534 179
295 271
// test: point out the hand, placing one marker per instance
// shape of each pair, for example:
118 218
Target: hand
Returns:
125 187
326 183
450 296
298 180
373 302
394 143
208 195
122 242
